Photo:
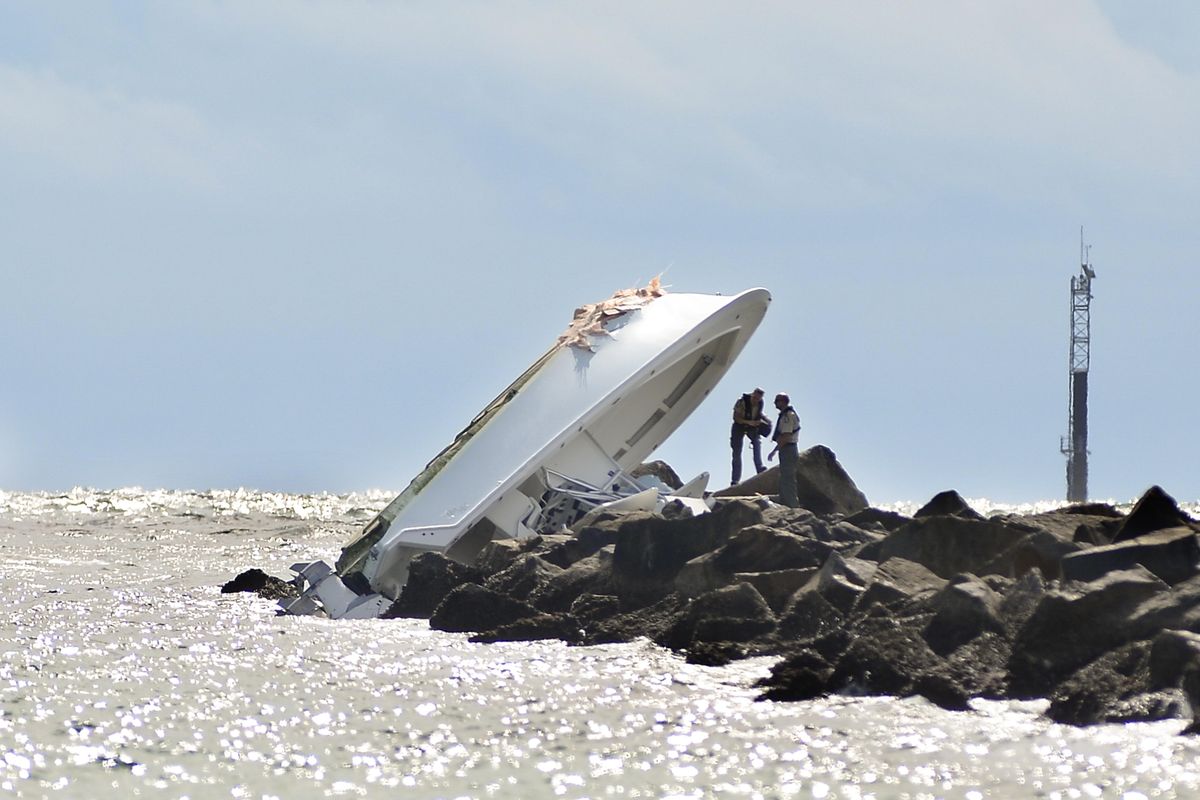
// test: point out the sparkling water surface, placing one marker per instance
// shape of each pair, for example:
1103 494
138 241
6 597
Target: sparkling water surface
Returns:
125 672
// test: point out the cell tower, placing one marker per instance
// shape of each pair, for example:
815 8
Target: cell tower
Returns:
1074 444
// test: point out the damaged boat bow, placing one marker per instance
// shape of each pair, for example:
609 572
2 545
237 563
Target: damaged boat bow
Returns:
558 442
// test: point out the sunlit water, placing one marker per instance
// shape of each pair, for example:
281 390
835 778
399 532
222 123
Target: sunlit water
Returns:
124 671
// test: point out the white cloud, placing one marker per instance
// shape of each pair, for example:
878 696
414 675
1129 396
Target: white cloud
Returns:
845 103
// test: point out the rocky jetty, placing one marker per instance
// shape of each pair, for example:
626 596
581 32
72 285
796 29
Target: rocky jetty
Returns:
1094 610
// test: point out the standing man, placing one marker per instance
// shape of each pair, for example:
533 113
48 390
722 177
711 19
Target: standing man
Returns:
747 419
787 434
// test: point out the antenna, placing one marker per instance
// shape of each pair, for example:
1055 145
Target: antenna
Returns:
1074 444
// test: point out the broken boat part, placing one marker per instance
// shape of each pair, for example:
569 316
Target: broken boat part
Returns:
559 442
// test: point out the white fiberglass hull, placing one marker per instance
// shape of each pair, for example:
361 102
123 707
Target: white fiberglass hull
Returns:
576 423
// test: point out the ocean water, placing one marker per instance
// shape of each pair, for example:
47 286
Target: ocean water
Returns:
124 672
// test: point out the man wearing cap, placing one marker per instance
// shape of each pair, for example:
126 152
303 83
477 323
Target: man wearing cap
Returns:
748 420
786 436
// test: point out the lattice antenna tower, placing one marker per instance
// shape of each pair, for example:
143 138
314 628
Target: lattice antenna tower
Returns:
1075 444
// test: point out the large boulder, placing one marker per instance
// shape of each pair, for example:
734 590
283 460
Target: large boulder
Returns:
1175 609
652 621
470 608
739 611
947 503
659 470
1173 554
701 575
949 545
897 582
1171 653
260 583
592 575
1076 624
964 609
803 675
431 576
777 586
875 519
1153 511
1115 688
822 485
884 659
499 554
842 580
651 551
1088 523
808 615
756 548
525 576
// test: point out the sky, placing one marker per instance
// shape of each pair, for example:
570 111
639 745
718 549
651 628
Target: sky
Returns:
296 246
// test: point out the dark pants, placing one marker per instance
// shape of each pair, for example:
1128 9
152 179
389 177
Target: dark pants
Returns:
789 457
735 441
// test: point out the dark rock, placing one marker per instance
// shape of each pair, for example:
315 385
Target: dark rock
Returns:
528 629
1171 653
898 581
650 552
431 576
1020 600
701 575
1074 625
525 576
716 654
967 607
651 621
757 547
677 509
472 608
1092 510
980 667
822 485
940 689
1153 511
606 522
1087 524
1097 692
801 676
949 545
841 580
735 613
592 575
884 659
777 586
260 583
1173 554
793 520
842 535
498 554
660 470
563 551
1176 609
877 519
808 615
947 503
593 607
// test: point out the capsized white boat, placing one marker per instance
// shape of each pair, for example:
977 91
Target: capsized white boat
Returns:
558 442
